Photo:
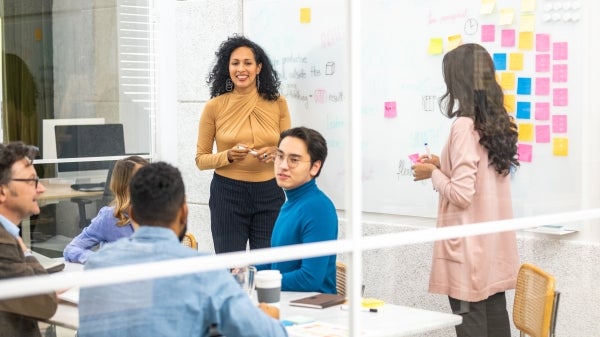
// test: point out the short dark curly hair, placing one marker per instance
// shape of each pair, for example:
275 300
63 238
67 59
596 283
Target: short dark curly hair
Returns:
269 80
11 153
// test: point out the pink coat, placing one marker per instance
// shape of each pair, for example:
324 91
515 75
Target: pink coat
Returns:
472 268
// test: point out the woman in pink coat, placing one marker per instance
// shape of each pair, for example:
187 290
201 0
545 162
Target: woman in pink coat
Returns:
472 178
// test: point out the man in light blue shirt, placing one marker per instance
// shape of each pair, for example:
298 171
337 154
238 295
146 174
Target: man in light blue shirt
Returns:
184 305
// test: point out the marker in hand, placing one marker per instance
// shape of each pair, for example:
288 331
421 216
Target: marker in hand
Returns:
252 152
427 151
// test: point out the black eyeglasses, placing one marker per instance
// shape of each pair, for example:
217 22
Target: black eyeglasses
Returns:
35 180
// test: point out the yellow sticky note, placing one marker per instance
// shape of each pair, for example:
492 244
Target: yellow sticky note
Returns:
507 80
436 46
527 5
526 40
487 6
527 23
304 15
560 147
525 132
515 61
507 15
510 101
454 41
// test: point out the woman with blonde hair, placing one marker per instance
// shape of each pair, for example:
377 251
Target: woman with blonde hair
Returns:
112 221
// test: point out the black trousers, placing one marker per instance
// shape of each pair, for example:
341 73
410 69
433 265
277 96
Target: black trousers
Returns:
243 211
487 318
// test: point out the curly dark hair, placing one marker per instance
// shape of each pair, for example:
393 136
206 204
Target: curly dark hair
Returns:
469 74
11 153
269 80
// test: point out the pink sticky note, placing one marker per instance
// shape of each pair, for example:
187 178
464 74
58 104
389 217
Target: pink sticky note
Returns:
542 63
560 97
560 51
559 73
414 158
508 38
542 111
542 86
559 123
524 153
542 42
488 33
390 110
542 133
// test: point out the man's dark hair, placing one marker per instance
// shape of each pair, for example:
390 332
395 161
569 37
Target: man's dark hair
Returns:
11 153
315 143
157 193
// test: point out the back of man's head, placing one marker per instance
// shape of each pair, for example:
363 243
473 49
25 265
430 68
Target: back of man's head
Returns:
11 153
157 194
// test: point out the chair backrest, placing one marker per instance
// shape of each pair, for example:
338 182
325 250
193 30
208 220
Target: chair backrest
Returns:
190 241
340 278
536 302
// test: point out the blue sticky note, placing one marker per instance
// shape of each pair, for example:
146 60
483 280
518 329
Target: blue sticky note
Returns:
523 110
524 86
500 61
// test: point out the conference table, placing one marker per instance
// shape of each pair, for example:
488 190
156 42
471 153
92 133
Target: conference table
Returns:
389 320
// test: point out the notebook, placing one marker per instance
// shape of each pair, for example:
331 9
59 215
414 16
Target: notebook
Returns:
319 301
51 265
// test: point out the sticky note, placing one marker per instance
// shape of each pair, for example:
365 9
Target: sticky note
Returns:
510 101
390 110
542 111
525 132
488 33
542 133
560 97
542 42
523 110
507 15
542 86
559 73
527 23
515 61
542 63
436 46
560 147
524 86
305 15
487 6
527 5
507 38
499 61
454 41
526 40
560 51
38 34
559 123
524 152
507 80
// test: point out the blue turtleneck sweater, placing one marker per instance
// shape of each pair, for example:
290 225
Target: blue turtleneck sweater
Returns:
308 215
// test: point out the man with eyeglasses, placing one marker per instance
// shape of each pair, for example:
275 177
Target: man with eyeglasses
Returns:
307 215
19 191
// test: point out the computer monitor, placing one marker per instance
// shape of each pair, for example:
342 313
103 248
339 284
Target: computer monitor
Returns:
99 140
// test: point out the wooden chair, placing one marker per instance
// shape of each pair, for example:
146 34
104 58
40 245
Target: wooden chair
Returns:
340 278
536 302
190 241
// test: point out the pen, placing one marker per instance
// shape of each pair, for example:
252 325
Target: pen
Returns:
427 151
345 307
252 152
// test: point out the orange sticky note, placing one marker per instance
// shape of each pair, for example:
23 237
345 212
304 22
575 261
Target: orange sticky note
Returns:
510 103
515 61
454 41
560 147
304 15
525 132
526 40
507 80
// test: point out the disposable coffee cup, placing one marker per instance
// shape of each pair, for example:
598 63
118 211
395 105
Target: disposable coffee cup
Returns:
268 286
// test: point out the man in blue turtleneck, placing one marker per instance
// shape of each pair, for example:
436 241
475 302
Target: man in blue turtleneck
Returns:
308 215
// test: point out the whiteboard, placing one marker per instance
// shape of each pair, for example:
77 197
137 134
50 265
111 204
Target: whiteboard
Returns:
402 81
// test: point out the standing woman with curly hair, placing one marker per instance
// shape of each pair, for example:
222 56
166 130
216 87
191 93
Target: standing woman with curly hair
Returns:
244 118
472 178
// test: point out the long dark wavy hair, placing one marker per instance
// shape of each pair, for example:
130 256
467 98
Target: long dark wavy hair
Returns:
269 80
469 74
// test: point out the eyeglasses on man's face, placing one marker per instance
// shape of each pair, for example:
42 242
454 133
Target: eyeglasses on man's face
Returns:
292 160
35 181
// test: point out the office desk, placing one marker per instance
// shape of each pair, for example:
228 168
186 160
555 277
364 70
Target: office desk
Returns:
390 320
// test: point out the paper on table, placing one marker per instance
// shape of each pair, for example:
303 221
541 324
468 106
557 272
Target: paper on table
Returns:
71 295
552 229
